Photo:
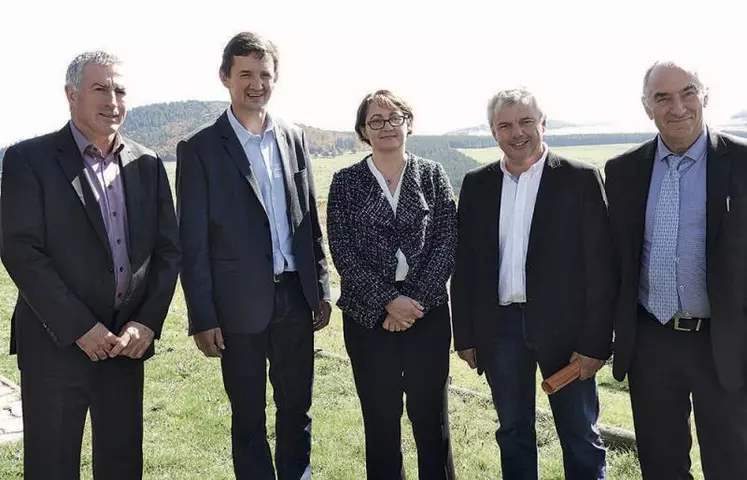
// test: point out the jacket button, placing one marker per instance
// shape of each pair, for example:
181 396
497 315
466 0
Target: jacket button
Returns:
267 224
268 257
111 270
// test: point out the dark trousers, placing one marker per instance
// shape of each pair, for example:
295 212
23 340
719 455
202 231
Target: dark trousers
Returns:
288 344
54 414
510 367
667 368
388 364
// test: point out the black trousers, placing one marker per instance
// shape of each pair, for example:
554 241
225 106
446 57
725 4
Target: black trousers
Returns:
54 414
288 344
388 364
667 368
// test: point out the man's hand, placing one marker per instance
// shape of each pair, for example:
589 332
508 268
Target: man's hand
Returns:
404 309
470 356
134 340
394 325
210 342
589 366
321 318
97 342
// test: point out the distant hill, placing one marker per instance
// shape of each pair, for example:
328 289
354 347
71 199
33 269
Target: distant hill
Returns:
484 129
161 126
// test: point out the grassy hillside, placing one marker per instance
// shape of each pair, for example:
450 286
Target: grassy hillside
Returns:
187 415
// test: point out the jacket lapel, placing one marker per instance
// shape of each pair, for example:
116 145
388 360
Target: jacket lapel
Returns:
493 191
640 181
717 187
412 206
72 164
546 195
376 206
236 153
291 192
131 185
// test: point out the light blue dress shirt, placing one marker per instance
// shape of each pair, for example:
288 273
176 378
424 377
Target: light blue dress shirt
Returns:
267 167
691 235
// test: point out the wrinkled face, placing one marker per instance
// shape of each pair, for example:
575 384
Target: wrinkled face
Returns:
519 129
675 103
386 128
250 82
99 106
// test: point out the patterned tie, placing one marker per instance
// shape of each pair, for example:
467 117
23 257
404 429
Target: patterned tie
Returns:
663 297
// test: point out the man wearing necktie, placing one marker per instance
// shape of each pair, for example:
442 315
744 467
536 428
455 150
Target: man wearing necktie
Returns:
678 208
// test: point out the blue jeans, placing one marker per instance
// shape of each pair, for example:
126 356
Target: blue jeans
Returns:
510 367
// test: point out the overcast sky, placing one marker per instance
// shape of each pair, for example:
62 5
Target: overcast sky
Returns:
584 59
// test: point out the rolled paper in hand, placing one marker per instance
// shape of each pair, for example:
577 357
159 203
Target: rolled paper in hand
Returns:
562 378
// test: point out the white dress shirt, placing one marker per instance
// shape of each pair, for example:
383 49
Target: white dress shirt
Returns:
267 167
518 197
393 199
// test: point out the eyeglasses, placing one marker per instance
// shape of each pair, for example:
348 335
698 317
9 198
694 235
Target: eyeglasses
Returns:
394 121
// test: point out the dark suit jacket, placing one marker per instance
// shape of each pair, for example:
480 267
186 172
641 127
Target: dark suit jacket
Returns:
55 248
364 235
628 177
570 282
227 271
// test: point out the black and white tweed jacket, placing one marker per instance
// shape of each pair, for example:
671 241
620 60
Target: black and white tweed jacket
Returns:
364 235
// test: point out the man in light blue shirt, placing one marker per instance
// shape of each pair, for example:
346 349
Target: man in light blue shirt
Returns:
254 271
678 210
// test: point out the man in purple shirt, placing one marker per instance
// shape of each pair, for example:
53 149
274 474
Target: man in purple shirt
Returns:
89 237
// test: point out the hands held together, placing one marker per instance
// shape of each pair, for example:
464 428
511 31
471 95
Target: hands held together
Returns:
402 313
99 343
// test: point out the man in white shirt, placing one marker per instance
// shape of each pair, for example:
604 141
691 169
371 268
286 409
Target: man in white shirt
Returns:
534 284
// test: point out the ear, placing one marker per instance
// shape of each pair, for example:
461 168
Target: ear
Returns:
705 100
644 102
70 94
224 78
494 132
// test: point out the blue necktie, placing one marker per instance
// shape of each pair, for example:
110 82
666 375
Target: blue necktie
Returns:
663 297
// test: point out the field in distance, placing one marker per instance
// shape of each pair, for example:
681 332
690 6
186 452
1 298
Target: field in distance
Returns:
594 154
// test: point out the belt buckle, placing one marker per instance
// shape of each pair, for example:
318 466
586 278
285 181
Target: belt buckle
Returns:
677 327
277 278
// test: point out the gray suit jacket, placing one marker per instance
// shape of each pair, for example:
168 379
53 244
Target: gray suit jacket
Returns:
55 248
227 271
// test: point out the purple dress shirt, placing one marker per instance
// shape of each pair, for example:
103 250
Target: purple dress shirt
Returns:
103 172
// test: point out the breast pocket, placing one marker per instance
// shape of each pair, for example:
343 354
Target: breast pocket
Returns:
733 231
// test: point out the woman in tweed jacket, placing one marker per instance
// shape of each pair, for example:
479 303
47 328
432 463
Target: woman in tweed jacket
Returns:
391 222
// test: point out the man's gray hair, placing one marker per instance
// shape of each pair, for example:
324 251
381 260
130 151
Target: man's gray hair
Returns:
699 84
74 76
513 96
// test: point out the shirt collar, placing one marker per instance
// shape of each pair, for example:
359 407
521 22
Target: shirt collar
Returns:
84 145
695 152
245 135
536 167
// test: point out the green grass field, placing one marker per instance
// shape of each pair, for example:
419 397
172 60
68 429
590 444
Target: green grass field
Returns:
187 415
